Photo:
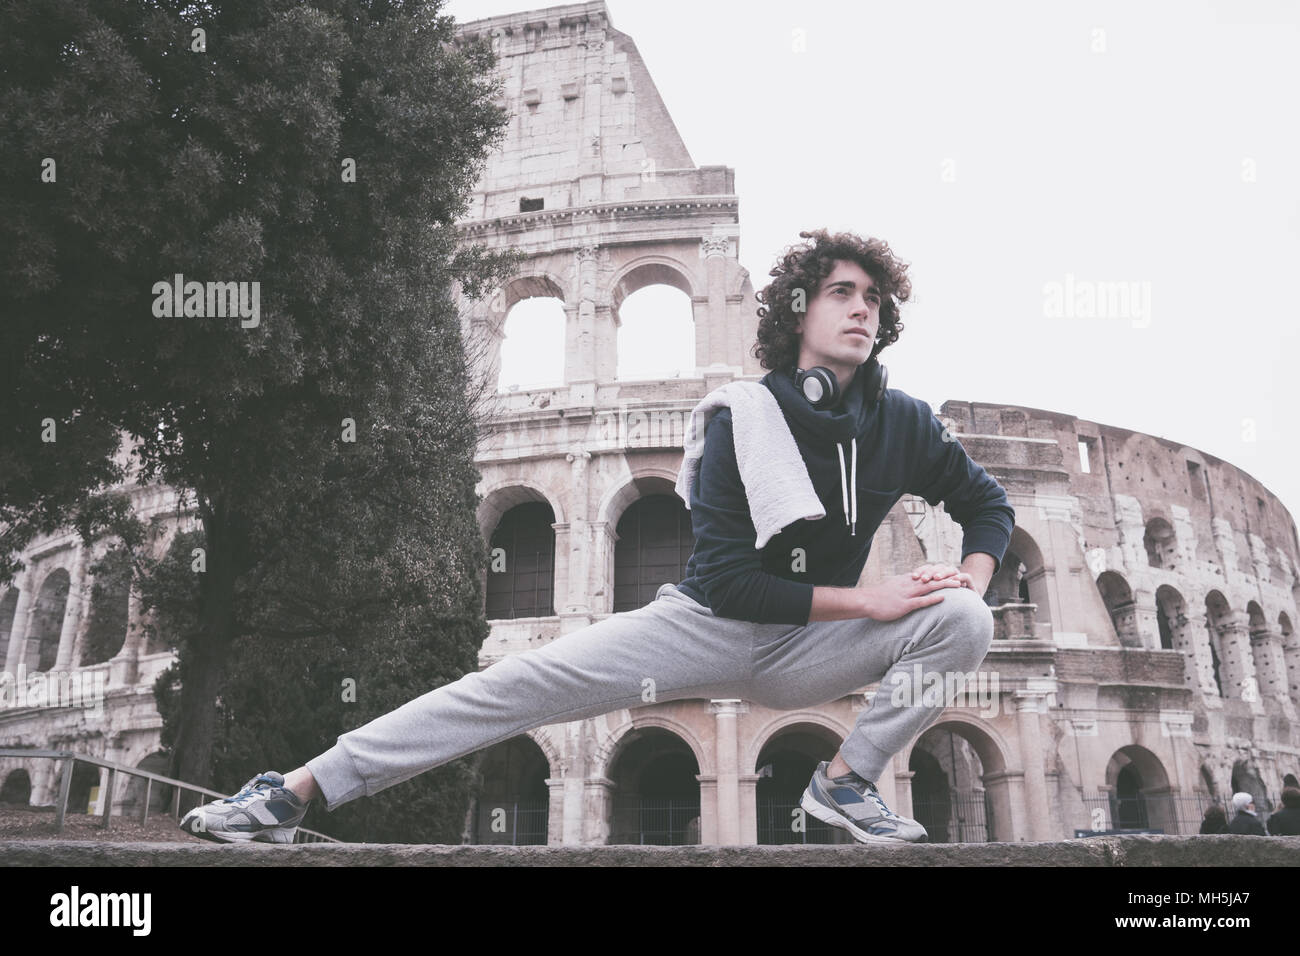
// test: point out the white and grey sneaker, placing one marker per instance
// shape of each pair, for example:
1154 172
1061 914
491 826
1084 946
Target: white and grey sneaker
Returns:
264 811
855 805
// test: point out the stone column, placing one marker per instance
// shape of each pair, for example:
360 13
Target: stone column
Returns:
1007 794
748 808
580 347
708 809
1238 668
1029 704
903 788
556 816
596 816
18 632
727 759
73 609
720 346
579 537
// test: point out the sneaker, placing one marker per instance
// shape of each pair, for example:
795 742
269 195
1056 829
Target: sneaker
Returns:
264 811
854 804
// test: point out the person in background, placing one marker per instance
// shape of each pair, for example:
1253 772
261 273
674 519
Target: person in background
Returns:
1246 820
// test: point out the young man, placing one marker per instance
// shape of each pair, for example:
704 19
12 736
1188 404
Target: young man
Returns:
787 626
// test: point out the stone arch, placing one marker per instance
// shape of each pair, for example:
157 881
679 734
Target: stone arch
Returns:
508 492
521 519
1235 673
17 788
47 620
1118 598
512 805
648 270
1139 792
540 285
1266 655
663 806
541 736
782 721
670 531
784 761
604 755
1246 779
110 606
533 284
1023 578
1161 544
1178 632
994 806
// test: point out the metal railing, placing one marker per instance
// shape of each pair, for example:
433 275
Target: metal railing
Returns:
71 759
778 824
655 822
1164 812
511 823
963 817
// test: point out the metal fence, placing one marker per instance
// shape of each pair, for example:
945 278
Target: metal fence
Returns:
656 822
511 823
1163 813
779 824
150 781
963 817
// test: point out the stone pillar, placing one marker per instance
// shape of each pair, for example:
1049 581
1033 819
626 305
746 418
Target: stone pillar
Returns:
1270 673
1029 704
1007 794
748 788
581 335
18 632
720 346
557 817
704 333
708 809
727 760
1237 668
73 609
579 537
595 818
903 788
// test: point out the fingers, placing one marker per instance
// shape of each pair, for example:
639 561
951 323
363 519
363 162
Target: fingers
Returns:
928 572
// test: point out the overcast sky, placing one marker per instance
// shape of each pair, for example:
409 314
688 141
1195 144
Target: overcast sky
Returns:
1020 155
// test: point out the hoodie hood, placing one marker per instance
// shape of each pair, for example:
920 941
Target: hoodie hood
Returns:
842 425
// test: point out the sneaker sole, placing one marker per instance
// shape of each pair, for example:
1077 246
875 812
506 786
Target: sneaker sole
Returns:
825 814
281 835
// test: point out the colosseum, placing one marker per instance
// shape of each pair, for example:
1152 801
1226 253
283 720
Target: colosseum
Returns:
1144 664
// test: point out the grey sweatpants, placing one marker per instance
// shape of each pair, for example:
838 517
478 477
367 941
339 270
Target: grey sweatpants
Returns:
673 648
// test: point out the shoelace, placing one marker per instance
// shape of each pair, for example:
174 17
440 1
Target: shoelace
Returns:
868 789
250 789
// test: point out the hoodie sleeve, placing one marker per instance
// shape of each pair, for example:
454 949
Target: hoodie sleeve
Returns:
728 565
942 471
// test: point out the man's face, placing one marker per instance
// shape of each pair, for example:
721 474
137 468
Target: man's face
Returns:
846 304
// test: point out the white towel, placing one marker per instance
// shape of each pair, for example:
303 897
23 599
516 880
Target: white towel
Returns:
776 480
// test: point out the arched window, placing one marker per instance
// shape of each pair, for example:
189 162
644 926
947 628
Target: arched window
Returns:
521 575
655 540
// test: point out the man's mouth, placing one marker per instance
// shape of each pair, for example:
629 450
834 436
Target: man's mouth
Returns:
858 332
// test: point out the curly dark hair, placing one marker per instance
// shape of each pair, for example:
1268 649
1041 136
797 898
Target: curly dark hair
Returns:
804 266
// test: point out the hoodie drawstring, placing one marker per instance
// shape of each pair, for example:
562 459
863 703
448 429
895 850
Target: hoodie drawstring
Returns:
850 516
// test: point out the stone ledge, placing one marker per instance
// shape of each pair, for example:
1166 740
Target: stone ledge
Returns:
1129 851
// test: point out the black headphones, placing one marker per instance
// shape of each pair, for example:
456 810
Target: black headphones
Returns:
822 389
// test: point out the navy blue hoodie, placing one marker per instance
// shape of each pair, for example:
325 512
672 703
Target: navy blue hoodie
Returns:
900 449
